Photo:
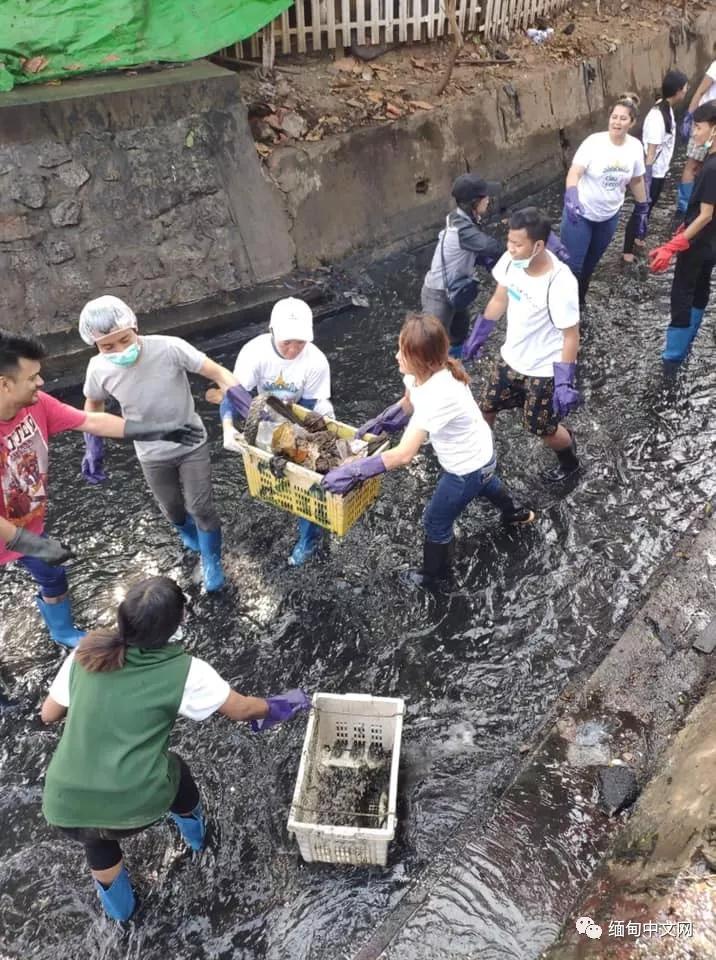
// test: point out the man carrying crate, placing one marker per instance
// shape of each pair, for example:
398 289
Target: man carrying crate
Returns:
283 363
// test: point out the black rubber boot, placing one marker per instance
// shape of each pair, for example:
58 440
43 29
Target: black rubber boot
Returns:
437 561
512 513
568 462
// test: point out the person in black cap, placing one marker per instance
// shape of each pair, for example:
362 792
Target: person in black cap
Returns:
450 286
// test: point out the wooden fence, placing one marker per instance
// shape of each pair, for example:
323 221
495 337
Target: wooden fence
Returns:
312 25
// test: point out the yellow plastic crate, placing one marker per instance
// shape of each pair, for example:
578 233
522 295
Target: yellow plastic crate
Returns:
300 491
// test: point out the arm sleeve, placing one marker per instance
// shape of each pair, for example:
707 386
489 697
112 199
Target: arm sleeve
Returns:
93 388
564 299
60 686
708 188
583 156
654 130
711 72
185 355
499 271
471 238
61 416
245 368
204 691
318 379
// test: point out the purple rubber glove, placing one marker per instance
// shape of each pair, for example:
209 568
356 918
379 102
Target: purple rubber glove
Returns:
483 260
555 246
565 398
648 177
344 478
572 205
284 706
93 460
478 335
240 400
686 125
392 420
641 211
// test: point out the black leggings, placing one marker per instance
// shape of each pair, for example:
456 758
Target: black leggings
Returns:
101 847
657 185
691 285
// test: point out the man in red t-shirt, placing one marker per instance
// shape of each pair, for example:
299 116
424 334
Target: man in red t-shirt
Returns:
28 418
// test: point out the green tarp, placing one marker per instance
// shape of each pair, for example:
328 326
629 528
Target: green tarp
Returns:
44 40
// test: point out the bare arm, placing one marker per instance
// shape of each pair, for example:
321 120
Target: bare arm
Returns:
497 307
574 175
570 344
699 92
650 154
238 707
638 189
103 425
214 371
51 711
7 530
706 215
410 443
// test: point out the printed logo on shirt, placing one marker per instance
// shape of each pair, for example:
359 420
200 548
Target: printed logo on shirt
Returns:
283 389
613 175
24 461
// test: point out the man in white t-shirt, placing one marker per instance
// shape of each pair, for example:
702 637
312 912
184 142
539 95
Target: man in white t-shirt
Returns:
695 153
538 362
283 363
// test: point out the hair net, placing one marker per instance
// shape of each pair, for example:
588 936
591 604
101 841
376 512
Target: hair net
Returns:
103 316
292 319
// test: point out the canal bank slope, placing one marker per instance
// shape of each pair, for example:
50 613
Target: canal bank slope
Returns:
511 878
150 187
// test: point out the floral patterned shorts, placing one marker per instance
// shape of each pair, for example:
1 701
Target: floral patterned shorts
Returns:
507 390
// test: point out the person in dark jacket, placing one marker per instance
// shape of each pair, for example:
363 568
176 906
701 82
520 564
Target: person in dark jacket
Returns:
461 247
112 774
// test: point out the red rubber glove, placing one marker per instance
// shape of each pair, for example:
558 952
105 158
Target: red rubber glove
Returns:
660 257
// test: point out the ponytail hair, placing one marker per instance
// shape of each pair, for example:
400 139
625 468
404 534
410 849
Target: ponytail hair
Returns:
630 101
674 80
425 345
148 617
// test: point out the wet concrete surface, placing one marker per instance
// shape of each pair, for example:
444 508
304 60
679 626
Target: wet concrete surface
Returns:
480 665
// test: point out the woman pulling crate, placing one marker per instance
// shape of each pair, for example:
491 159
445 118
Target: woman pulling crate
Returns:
121 691
283 363
438 405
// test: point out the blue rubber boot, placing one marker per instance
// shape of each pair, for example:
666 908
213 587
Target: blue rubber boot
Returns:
58 618
210 547
188 533
684 196
455 351
678 341
118 901
192 828
310 536
697 315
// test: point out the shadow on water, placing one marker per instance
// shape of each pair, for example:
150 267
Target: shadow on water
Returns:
479 665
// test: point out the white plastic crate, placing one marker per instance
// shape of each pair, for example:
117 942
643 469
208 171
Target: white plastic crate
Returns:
360 725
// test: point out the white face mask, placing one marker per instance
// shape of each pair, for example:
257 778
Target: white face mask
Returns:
709 143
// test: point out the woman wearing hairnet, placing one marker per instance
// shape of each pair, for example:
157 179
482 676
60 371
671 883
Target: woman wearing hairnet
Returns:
147 375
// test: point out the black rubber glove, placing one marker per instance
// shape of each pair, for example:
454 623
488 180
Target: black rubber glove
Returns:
185 433
30 545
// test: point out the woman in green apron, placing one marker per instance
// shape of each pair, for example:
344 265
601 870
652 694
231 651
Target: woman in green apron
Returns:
112 774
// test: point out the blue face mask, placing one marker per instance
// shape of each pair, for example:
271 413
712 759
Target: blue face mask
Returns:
126 358
523 264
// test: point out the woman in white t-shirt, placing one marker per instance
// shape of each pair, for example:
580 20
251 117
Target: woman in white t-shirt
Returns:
658 137
441 409
602 169
283 363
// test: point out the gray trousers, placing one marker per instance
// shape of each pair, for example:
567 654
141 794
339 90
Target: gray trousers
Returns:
183 485
456 322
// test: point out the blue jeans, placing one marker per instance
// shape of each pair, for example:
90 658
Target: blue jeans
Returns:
454 493
586 242
52 581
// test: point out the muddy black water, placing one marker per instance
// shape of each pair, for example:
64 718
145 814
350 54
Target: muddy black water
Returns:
479 665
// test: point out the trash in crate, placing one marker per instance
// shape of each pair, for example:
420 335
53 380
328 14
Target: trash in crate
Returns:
308 441
344 804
